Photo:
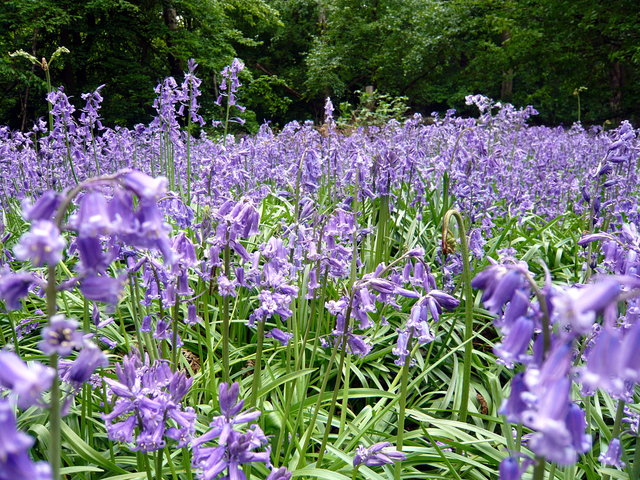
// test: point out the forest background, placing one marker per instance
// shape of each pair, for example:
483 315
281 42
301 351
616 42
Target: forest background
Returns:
564 57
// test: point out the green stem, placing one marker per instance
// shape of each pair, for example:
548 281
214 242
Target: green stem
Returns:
539 469
257 368
617 427
14 334
635 473
186 455
174 473
158 469
343 353
354 474
54 409
468 307
49 105
174 336
69 159
381 232
147 467
401 412
54 420
226 321
314 416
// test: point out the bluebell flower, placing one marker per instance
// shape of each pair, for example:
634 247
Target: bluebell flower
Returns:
148 403
234 447
60 336
26 382
14 287
15 462
516 342
79 371
279 474
510 469
146 187
279 335
378 454
44 208
42 245
613 455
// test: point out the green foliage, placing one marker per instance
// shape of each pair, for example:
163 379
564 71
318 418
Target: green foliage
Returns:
374 108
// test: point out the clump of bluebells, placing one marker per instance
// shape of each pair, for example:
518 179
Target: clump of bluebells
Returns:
147 408
549 335
235 447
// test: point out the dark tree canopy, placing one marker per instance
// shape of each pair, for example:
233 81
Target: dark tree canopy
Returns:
537 52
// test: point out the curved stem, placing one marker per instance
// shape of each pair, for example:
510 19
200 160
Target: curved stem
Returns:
468 306
544 308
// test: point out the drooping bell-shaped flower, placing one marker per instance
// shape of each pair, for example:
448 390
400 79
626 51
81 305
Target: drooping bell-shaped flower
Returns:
60 336
42 245
613 455
14 287
26 382
381 453
44 208
144 186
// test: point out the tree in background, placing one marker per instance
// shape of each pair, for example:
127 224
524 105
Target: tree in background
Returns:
297 52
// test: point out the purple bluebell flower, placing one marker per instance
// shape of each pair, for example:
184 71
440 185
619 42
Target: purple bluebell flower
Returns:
103 288
231 83
613 455
144 186
42 245
510 469
628 354
15 462
44 208
576 423
26 382
91 254
186 253
632 420
576 309
60 336
516 342
79 371
279 335
234 448
603 367
378 454
401 350
279 474
226 287
192 316
515 405
147 399
14 287
93 217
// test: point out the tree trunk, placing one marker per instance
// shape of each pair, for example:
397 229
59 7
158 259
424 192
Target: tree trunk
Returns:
170 17
617 82
507 85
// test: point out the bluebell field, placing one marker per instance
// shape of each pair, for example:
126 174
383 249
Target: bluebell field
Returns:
439 298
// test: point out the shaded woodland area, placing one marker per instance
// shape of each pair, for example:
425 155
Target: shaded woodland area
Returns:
297 52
